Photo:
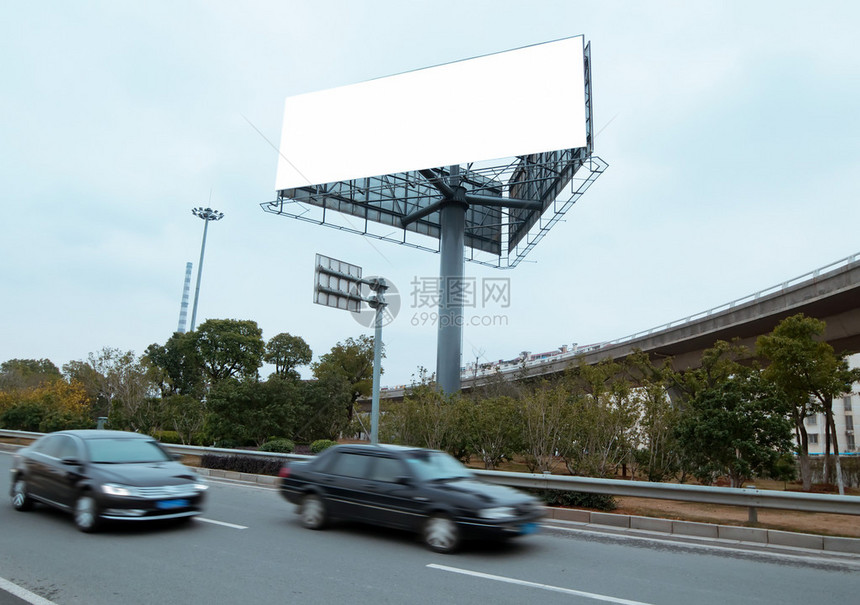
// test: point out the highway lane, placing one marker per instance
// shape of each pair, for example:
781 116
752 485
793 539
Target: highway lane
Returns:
249 547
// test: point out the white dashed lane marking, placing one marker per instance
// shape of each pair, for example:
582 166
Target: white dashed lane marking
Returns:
570 591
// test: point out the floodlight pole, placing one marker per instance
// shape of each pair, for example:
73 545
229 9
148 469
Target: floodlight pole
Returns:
207 214
378 303
345 293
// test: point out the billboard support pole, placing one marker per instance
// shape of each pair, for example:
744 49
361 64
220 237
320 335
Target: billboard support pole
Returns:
452 222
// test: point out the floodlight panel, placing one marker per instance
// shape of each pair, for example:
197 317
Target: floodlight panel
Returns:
337 284
518 102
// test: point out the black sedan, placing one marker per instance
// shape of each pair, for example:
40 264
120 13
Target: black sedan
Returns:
104 475
420 490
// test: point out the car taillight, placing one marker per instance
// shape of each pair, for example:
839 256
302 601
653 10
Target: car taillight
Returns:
284 472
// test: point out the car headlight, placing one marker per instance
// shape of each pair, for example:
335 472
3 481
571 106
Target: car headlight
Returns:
113 489
200 485
499 512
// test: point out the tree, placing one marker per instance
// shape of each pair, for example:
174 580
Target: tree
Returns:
352 360
27 373
737 428
604 415
53 406
326 402
491 427
122 387
424 418
143 416
251 411
547 423
287 352
656 448
810 375
229 348
93 384
186 414
177 365
718 364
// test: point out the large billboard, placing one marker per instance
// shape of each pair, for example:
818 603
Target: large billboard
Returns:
519 102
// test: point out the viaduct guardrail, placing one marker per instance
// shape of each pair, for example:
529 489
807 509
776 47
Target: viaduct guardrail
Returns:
554 361
751 498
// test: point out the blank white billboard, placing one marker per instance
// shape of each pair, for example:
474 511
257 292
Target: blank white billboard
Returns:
518 102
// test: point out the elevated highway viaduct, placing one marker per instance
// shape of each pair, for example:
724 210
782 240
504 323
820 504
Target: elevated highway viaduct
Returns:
831 293
832 296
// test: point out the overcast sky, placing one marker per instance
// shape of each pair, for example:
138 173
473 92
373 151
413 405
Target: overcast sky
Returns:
730 130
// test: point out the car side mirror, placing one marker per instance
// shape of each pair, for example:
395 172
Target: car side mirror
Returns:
404 480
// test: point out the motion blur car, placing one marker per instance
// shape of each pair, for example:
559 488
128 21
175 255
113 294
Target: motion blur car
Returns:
100 475
421 490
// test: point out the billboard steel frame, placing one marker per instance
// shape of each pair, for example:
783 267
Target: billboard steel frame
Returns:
497 210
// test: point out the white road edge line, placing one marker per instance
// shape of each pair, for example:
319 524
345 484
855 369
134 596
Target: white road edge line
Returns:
222 523
579 593
23 593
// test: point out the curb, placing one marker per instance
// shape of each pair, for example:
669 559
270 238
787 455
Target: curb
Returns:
694 530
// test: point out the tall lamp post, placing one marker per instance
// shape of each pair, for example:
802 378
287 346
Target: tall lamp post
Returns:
207 214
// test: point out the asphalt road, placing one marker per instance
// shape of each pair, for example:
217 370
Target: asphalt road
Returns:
250 548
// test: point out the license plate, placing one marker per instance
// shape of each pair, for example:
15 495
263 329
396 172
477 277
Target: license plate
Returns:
529 528
167 504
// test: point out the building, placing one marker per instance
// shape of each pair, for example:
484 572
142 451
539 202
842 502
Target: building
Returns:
843 418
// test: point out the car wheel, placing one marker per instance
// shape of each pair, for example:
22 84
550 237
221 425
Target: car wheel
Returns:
441 534
20 499
86 513
313 512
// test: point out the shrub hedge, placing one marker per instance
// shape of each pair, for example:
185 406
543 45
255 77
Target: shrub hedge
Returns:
242 464
557 497
283 446
321 444
264 466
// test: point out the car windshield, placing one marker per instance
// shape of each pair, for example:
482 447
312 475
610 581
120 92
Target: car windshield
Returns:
432 466
124 451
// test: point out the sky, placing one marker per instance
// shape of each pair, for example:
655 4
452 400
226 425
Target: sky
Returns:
730 130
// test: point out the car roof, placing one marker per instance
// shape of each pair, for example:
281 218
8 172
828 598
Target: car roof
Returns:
381 447
102 434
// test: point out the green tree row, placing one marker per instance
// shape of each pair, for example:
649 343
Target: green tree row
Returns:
734 416
202 386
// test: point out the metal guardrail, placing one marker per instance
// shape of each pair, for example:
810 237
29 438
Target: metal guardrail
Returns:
747 497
